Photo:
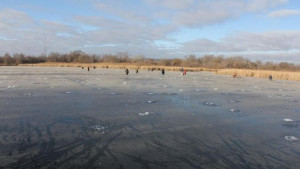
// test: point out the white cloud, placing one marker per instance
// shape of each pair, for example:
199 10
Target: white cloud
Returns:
283 13
248 42
136 29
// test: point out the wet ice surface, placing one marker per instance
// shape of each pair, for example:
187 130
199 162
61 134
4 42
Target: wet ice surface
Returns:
71 118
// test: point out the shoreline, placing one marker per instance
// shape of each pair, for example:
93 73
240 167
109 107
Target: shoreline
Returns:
277 75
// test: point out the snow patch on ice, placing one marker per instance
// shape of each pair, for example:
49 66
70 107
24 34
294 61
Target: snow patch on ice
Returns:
11 86
291 138
288 120
145 114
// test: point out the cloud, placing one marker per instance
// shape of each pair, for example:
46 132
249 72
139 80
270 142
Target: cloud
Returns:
247 42
135 28
172 4
283 13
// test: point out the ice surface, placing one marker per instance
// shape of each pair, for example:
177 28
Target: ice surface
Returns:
52 114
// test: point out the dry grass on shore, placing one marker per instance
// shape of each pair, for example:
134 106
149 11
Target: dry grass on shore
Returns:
282 75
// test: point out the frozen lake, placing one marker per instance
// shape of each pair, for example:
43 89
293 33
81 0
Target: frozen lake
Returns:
71 118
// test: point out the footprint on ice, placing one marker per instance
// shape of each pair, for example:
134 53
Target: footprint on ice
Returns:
291 138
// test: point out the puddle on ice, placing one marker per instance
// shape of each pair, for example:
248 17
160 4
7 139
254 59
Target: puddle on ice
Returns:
291 138
234 110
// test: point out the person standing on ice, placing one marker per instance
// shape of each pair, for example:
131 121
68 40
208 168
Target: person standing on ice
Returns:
270 77
126 71
162 71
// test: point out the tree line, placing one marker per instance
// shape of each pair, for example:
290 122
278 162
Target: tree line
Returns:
207 61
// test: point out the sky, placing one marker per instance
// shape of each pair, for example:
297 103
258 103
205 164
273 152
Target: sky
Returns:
265 30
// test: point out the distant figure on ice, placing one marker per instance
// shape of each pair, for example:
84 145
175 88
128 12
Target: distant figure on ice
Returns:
162 71
94 67
184 72
270 77
88 69
82 67
234 75
126 71
137 71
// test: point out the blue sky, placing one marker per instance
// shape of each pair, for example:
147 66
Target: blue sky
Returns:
268 30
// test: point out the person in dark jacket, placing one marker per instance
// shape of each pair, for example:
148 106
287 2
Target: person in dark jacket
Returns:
270 77
162 71
126 71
